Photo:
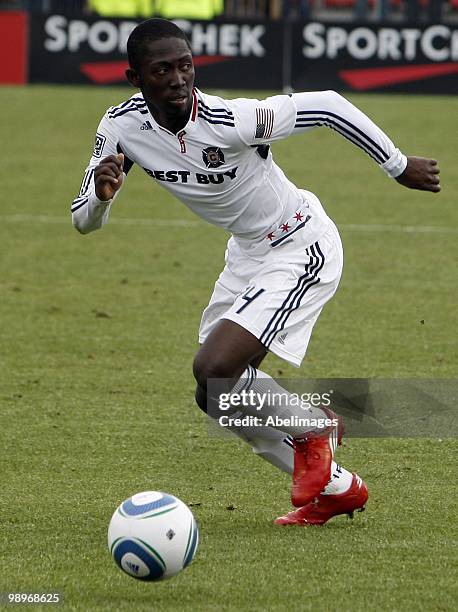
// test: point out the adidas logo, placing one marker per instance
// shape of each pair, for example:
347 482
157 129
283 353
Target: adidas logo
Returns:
282 338
146 126
133 567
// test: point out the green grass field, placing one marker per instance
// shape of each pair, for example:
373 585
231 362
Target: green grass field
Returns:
98 334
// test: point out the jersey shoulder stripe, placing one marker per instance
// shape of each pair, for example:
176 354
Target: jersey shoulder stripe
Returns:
128 109
138 99
131 107
211 115
215 111
216 120
216 115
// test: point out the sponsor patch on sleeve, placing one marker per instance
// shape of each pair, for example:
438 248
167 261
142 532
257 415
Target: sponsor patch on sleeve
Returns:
264 122
100 141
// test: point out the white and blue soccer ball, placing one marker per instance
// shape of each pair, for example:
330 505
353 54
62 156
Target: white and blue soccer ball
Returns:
152 536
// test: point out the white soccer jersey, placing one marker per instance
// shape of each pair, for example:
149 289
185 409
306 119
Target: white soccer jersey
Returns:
220 164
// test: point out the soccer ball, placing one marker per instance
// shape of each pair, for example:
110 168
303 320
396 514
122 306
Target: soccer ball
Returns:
152 535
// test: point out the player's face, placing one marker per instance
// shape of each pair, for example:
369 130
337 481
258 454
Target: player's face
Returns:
166 77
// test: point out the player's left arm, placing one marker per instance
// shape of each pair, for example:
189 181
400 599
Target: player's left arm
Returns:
264 121
421 173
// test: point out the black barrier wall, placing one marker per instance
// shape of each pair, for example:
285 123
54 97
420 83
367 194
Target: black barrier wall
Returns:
227 55
259 55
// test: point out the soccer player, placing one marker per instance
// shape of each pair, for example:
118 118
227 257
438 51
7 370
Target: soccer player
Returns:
284 258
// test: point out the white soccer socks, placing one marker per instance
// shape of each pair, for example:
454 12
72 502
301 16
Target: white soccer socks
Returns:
277 449
340 482
273 444
263 398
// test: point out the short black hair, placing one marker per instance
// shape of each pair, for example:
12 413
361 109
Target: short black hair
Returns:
149 31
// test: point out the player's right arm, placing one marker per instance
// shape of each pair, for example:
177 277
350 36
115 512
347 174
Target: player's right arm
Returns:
102 180
277 117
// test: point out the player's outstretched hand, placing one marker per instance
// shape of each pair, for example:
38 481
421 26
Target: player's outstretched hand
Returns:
421 173
108 176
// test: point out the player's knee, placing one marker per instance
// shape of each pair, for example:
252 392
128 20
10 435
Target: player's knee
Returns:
205 368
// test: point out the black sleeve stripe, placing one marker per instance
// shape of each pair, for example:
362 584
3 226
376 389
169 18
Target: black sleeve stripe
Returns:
80 199
204 107
119 112
215 115
128 163
139 103
219 122
114 109
114 113
343 132
133 104
314 113
141 110
374 151
225 110
346 134
86 181
77 205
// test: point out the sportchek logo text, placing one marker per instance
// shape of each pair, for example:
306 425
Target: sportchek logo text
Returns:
103 36
437 43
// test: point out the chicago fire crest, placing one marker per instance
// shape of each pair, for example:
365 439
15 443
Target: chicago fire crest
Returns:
213 157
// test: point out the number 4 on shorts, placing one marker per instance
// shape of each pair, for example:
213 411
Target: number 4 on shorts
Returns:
249 298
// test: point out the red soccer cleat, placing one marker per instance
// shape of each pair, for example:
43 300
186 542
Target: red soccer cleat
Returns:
313 457
324 507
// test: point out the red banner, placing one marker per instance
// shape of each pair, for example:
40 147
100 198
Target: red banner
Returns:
14 46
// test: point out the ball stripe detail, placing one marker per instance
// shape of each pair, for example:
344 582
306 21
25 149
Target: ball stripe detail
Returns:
149 515
130 509
193 540
158 513
143 551
152 550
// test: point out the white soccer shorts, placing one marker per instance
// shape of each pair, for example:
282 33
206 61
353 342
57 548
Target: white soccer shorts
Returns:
278 294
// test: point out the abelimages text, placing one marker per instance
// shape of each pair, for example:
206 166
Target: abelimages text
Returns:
276 421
